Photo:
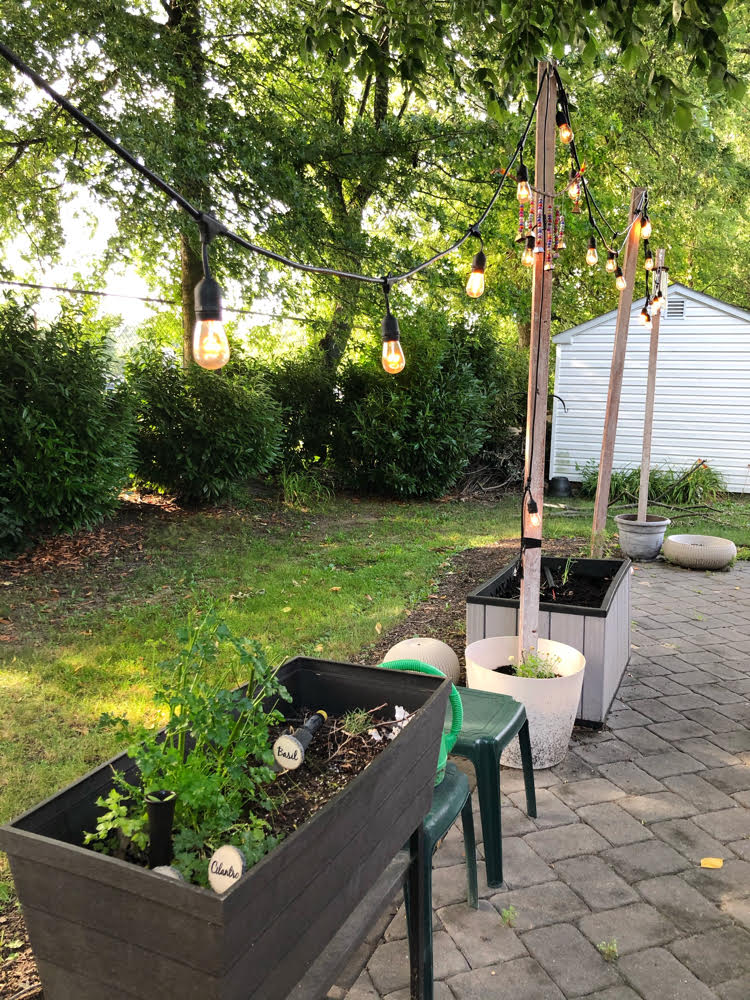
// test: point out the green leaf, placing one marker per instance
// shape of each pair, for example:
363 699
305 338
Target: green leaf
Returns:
683 117
590 52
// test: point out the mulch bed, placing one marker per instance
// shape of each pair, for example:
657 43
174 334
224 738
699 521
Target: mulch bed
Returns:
441 615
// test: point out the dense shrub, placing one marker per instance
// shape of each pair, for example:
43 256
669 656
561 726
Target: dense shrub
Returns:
412 435
65 427
699 484
305 389
200 432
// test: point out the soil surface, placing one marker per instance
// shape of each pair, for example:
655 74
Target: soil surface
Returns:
441 615
570 585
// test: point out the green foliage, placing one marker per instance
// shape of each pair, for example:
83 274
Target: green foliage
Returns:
304 388
508 915
65 428
671 487
542 666
214 754
200 432
304 489
413 434
608 950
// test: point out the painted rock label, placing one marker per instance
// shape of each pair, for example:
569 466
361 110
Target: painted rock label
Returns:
288 752
225 868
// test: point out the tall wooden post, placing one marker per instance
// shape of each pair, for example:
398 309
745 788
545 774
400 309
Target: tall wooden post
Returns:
615 377
648 417
536 408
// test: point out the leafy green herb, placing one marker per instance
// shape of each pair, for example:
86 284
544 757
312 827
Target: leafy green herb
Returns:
535 664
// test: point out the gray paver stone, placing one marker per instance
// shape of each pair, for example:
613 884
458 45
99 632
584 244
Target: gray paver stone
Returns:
718 693
667 687
739 911
481 935
571 960
521 866
643 740
614 824
695 789
441 992
541 905
566 842
615 993
389 965
449 884
692 842
633 927
606 752
711 719
738 712
663 765
655 710
706 752
639 861
522 979
716 956
630 778
585 793
657 975
742 798
625 718
550 810
735 989
686 700
741 848
681 903
726 824
595 882
659 806
730 882
736 742
363 989
729 779
682 729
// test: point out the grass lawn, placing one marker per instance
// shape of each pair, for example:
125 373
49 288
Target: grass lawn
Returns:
86 640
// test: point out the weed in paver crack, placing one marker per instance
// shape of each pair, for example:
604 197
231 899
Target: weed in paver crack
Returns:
509 915
608 950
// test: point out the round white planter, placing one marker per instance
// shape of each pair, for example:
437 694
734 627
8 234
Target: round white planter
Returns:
641 539
700 551
550 704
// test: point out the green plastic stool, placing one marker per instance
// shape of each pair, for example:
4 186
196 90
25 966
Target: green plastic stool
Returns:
452 798
490 722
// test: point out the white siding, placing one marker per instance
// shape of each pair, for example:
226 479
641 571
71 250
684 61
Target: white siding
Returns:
702 407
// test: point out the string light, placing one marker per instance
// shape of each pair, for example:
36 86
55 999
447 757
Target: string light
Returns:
392 357
523 191
611 264
527 257
475 282
645 227
645 318
648 258
574 185
592 257
620 281
563 128
210 344
535 519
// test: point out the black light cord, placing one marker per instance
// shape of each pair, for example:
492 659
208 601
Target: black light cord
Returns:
213 227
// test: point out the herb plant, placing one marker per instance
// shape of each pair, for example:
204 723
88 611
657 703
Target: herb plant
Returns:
214 753
542 666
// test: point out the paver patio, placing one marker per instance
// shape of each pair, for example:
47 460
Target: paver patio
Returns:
623 823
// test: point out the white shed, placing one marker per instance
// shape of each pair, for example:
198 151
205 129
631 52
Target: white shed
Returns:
702 405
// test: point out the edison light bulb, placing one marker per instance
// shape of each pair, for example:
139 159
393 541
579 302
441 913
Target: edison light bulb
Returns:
645 228
611 264
592 256
648 262
574 186
210 344
645 318
475 283
620 281
523 191
527 257
534 519
656 303
393 359
563 128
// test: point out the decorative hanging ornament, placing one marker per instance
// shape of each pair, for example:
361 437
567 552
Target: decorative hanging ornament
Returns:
561 244
539 241
548 263
521 224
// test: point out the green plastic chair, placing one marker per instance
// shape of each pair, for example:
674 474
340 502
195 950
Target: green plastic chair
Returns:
490 722
451 799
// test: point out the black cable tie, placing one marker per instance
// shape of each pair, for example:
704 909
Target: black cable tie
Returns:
531 543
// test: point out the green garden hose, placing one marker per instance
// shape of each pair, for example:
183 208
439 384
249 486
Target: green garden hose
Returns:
448 740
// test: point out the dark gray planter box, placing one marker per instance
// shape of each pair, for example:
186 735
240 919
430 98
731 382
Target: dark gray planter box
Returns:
602 634
103 928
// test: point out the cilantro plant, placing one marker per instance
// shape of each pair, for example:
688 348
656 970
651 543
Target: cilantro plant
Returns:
214 753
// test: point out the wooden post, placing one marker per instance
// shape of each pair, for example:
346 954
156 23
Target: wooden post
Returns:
615 378
648 417
536 407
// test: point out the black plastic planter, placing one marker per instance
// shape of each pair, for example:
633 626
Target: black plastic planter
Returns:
601 633
103 928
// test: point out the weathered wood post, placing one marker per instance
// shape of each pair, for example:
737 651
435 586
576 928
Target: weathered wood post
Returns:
615 377
648 417
536 408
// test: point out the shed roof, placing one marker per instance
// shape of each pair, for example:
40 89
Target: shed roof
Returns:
568 336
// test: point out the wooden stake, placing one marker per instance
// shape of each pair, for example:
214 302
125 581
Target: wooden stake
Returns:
615 378
536 407
648 417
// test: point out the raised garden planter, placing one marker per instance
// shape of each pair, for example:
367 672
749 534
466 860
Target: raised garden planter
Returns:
101 927
601 632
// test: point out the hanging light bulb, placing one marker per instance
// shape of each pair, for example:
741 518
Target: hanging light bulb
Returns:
574 185
563 128
475 282
648 262
645 227
592 256
656 304
620 281
611 264
392 357
535 519
527 257
210 344
645 317
523 191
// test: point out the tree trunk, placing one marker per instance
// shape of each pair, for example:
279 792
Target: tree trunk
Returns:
524 333
191 274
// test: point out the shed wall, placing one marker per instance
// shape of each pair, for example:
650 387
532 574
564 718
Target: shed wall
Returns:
702 407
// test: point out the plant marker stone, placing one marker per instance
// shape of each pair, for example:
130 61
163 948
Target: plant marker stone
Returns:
289 748
169 871
225 868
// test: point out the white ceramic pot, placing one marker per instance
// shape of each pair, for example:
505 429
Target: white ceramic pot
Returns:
550 704
641 539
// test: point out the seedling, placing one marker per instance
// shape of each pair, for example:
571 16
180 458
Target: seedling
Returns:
509 915
535 664
608 950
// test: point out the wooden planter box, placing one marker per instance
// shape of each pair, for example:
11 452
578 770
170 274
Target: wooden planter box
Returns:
602 634
104 928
